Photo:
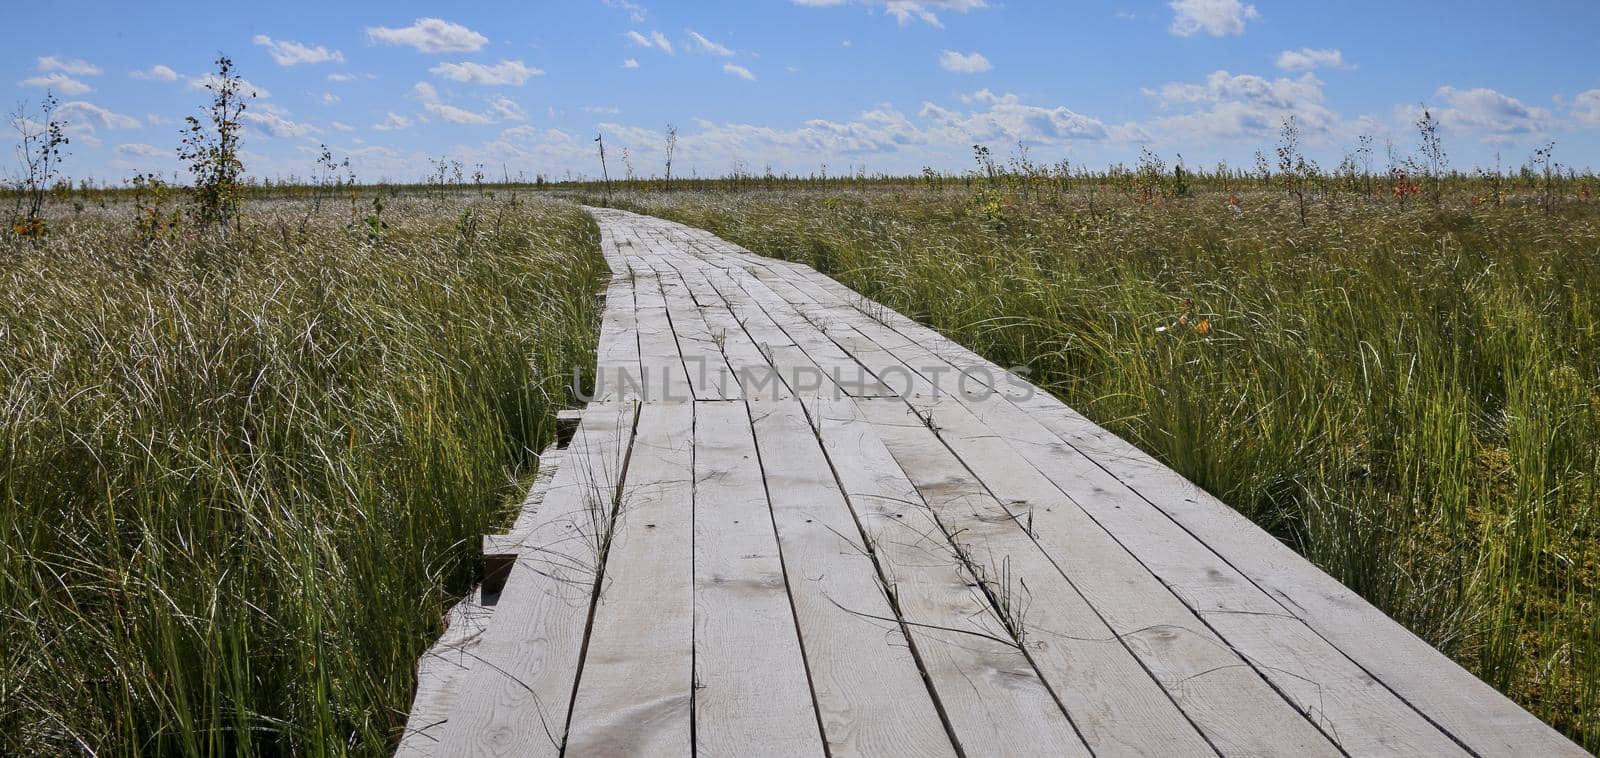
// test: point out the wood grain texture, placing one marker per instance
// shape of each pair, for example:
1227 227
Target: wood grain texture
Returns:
753 694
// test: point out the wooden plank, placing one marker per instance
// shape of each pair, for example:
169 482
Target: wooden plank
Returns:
660 363
991 695
752 692
440 673
636 691
794 367
1450 697
847 373
758 379
516 702
617 354
709 372
1113 699
869 691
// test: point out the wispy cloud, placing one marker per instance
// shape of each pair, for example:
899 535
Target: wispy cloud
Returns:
157 72
656 40
739 71
392 123
705 45
290 53
630 63
73 66
1218 18
61 83
906 11
970 63
430 35
277 125
636 12
1306 59
502 74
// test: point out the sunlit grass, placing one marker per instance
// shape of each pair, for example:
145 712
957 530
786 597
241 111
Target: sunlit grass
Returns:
240 479
1410 396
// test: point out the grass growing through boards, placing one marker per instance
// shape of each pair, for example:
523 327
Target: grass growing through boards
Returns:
242 474
1405 388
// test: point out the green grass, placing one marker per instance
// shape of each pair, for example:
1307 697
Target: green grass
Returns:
240 480
1409 396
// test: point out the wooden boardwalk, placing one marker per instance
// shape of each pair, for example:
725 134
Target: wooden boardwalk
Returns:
794 522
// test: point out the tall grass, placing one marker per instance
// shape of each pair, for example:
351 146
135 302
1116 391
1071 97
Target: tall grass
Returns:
1409 396
240 479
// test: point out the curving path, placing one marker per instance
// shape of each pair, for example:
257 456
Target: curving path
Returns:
794 522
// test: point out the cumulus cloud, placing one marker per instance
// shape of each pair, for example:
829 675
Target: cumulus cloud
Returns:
1228 107
1484 111
290 53
1306 59
392 123
701 44
1218 18
278 126
1586 108
157 72
62 83
500 109
630 63
1007 119
430 35
970 63
73 66
656 40
90 116
502 74
739 71
906 11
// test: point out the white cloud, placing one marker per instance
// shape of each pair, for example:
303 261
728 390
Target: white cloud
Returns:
1228 107
655 40
328 98
705 45
1008 120
430 35
500 109
141 150
636 13
970 63
1485 111
341 77
1586 108
290 53
74 66
278 126
394 122
502 74
62 83
739 71
340 126
157 72
1306 59
906 11
212 80
88 116
606 109
630 63
1218 18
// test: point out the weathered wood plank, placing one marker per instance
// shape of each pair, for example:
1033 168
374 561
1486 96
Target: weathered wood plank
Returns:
752 691
1116 703
991 694
516 702
635 693
869 691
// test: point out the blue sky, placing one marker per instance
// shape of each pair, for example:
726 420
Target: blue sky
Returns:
889 85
